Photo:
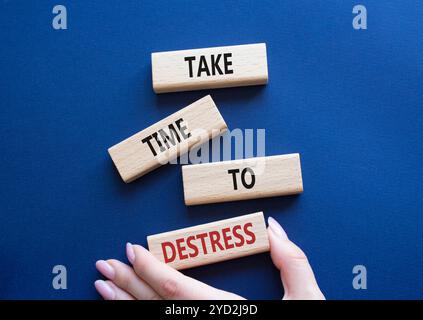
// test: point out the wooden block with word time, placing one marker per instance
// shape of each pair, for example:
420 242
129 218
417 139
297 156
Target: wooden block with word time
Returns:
242 179
217 67
211 242
167 139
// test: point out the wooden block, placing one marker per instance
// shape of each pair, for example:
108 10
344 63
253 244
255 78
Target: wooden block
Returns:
211 242
218 67
242 179
167 139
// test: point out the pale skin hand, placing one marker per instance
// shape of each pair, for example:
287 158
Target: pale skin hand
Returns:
147 278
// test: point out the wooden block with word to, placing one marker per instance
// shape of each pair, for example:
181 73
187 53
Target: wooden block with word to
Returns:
167 139
211 242
242 179
217 67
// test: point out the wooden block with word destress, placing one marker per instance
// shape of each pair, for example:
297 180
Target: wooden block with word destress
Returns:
242 179
208 68
211 242
167 139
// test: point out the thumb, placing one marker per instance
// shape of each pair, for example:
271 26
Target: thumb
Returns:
297 276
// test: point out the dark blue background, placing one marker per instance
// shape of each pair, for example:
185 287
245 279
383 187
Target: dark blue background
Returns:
349 101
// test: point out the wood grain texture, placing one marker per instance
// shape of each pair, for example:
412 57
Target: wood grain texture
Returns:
192 125
196 246
246 65
242 179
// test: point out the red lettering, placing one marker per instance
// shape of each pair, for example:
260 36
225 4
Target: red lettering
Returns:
201 236
181 248
214 240
218 240
173 256
192 247
249 233
238 236
227 238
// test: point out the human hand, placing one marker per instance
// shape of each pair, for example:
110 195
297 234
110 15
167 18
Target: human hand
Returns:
148 278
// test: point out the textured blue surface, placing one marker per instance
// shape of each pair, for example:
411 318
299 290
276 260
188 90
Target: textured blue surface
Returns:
349 101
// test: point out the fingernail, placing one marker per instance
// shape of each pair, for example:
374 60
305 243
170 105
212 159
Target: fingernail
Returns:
276 228
105 269
105 290
130 253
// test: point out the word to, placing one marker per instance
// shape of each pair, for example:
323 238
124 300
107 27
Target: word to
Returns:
242 179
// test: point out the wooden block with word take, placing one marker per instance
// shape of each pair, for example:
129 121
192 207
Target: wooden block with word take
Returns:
217 67
242 179
167 139
211 242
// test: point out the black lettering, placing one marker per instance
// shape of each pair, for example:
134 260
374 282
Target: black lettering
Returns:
182 129
147 140
203 67
168 137
215 64
190 60
158 142
173 133
234 172
164 137
227 63
253 178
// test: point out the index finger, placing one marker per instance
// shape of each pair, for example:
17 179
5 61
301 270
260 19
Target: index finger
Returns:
168 282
